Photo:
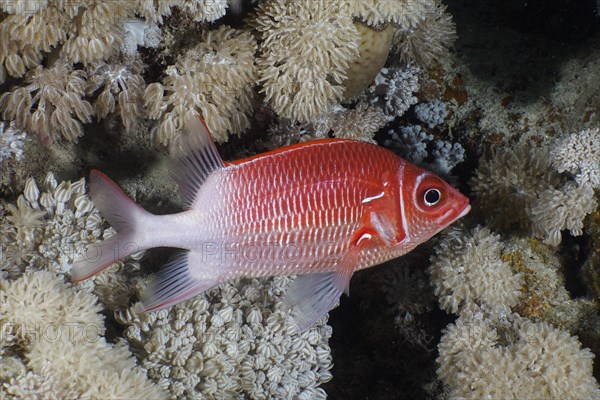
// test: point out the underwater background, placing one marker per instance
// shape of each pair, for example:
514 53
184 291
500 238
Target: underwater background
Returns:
500 98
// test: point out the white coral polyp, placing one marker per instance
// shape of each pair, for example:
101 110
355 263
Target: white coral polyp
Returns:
557 210
233 341
579 154
514 358
468 274
305 54
49 226
213 80
60 329
12 142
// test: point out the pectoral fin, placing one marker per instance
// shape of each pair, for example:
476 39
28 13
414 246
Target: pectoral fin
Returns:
312 296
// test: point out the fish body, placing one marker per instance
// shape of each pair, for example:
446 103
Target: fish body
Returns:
320 210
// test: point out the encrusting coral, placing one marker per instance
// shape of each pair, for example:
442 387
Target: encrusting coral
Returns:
214 79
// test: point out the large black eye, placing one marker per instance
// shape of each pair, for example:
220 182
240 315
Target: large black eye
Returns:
432 196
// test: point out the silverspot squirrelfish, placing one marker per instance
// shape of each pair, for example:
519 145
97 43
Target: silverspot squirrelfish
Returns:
320 210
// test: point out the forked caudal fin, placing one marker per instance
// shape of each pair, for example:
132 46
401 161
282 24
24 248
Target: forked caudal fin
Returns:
123 215
186 275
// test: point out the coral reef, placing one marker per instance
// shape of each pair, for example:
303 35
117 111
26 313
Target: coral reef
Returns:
509 294
305 51
12 141
514 358
556 210
308 51
51 103
405 13
213 79
61 330
139 33
432 113
231 341
511 119
48 228
469 276
429 38
85 30
360 123
417 146
547 202
308 55
234 339
394 90
117 83
507 183
579 154
373 50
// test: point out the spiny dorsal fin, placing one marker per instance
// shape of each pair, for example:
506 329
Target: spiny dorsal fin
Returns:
197 158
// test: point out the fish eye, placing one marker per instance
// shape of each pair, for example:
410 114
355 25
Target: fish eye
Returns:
432 197
430 194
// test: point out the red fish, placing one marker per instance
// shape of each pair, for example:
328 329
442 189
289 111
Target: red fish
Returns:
320 210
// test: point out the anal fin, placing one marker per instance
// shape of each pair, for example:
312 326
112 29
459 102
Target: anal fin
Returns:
176 283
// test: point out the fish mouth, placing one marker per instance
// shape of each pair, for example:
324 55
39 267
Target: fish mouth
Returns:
465 211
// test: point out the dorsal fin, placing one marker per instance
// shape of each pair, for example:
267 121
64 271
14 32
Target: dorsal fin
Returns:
196 158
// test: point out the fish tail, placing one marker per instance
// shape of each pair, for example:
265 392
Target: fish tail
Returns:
123 215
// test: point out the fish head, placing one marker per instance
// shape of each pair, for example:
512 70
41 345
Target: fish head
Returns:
430 204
